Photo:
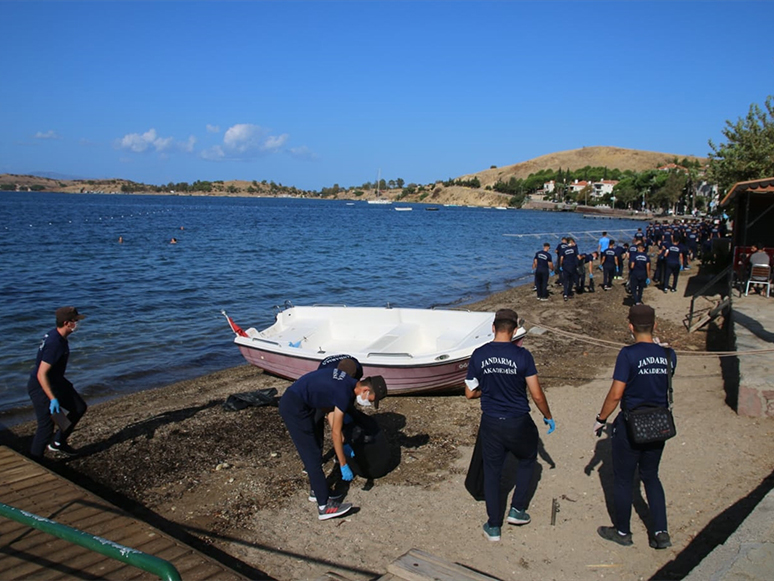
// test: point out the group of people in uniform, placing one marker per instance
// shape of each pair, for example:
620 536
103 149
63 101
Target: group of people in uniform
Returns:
673 245
501 374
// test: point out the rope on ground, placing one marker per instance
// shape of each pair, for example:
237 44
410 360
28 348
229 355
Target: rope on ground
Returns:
615 345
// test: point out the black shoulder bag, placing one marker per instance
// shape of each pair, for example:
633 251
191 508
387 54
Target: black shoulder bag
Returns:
647 424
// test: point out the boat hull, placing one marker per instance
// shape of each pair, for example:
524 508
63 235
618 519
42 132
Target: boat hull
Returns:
415 350
399 379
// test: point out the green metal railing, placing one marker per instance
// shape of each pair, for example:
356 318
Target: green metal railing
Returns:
163 569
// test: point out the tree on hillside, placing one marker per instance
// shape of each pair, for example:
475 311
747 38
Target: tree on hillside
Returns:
749 152
667 195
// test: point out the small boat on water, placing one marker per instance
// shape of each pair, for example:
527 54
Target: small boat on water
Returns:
403 209
415 350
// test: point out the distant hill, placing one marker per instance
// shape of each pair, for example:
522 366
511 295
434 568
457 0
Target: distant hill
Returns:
597 156
434 193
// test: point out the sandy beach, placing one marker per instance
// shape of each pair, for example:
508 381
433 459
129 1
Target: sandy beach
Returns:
232 481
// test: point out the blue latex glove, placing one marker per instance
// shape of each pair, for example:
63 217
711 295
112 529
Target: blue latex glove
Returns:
682 267
647 282
53 407
560 269
591 275
550 423
348 451
346 473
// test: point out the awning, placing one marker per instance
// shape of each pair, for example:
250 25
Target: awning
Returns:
764 186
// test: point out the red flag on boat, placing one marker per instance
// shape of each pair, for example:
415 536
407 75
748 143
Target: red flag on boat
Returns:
234 327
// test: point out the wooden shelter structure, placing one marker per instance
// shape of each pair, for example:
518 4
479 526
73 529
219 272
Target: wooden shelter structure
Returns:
753 202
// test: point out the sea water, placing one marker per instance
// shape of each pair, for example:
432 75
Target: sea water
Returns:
154 308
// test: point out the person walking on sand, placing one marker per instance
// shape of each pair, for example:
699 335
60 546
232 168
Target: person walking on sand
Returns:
327 389
604 243
609 265
53 395
559 250
568 266
674 260
640 378
542 266
639 272
500 373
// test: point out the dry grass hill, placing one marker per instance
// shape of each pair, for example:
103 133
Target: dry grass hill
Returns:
597 156
437 193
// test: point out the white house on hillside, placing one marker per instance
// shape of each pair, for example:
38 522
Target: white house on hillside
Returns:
598 189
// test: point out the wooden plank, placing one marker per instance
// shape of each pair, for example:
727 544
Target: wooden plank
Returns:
417 565
30 553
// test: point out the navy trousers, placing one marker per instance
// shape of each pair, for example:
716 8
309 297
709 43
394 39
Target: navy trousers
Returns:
498 437
69 399
541 282
569 279
302 425
672 270
608 274
637 284
626 459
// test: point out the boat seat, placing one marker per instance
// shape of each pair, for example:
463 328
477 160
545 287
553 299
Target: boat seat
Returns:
297 335
403 338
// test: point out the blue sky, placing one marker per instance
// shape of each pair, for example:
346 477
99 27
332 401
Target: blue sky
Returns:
316 93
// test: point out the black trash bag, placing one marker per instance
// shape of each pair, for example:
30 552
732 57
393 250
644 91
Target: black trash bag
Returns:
474 480
260 397
369 442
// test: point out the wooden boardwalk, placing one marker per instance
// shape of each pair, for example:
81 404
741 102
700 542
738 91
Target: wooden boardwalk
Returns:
27 553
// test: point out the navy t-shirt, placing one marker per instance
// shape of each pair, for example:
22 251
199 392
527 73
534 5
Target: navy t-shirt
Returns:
560 251
54 350
500 369
325 388
333 361
570 257
608 257
643 368
638 262
543 259
673 252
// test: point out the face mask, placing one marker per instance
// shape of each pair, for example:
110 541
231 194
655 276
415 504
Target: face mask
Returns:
363 401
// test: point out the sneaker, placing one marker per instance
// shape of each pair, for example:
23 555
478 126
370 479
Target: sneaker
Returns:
674 290
612 534
491 533
660 540
333 509
337 496
518 517
566 298
665 291
62 448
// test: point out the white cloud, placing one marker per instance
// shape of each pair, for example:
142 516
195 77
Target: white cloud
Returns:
50 134
213 128
188 146
245 140
303 152
214 153
273 143
139 143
